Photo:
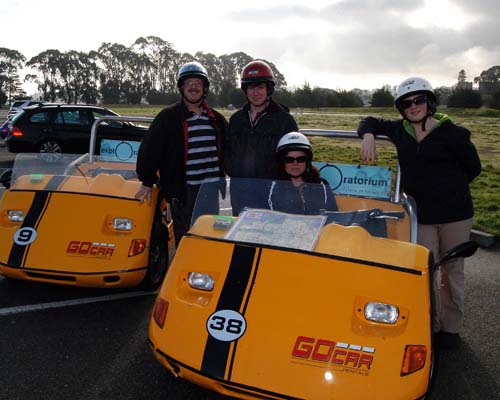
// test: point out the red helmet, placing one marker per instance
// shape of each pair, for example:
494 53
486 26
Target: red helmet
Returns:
257 72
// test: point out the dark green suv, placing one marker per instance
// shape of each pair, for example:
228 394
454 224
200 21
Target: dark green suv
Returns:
65 128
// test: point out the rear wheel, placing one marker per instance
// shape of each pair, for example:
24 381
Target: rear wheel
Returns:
50 146
157 261
51 150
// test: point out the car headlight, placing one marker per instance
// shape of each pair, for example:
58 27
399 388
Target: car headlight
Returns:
198 280
381 312
122 224
15 215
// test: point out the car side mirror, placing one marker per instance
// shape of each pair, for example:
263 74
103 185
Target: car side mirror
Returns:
465 249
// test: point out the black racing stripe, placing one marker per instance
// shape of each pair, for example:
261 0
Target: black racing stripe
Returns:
17 252
249 296
231 297
84 194
54 182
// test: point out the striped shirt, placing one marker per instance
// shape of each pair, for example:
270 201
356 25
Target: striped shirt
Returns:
202 164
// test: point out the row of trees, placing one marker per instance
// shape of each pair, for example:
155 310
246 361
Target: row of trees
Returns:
143 72
147 70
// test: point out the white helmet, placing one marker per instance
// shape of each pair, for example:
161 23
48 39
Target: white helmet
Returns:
294 141
416 85
413 85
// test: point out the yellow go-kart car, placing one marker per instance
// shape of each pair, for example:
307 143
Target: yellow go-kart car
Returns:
277 305
73 220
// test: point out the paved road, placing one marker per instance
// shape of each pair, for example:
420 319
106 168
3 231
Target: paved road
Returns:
60 343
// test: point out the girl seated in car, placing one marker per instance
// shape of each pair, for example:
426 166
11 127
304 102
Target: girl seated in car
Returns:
300 189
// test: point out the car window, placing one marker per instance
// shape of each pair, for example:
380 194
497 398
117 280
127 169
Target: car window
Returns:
42 117
72 117
114 124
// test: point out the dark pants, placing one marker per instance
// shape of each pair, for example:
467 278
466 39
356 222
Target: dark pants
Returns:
198 202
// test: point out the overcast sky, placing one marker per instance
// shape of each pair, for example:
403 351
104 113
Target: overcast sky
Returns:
328 43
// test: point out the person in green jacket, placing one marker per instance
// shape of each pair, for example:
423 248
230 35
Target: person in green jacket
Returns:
438 161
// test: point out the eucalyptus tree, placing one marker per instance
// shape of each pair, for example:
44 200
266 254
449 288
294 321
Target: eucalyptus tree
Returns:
212 63
78 73
382 98
138 82
229 69
90 78
114 60
489 80
163 57
279 78
11 61
48 76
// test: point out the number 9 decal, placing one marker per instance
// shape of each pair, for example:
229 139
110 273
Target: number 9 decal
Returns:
24 236
226 325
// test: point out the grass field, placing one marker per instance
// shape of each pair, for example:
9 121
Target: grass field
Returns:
483 123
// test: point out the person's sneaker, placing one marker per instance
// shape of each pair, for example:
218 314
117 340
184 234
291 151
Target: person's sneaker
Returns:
448 340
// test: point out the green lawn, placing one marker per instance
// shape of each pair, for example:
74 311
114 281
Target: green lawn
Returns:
483 123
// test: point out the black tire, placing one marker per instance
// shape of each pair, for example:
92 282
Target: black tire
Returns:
50 150
50 146
5 177
157 262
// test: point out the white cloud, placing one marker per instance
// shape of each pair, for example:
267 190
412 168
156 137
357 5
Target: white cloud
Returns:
329 43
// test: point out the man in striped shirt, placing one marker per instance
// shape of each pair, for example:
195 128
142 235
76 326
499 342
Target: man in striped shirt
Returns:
184 144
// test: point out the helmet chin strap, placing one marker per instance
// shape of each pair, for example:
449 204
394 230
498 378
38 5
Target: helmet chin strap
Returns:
423 122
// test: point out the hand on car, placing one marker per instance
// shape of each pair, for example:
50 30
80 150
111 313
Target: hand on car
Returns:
368 149
144 194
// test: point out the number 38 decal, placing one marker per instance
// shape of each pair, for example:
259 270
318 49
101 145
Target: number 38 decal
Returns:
226 325
24 236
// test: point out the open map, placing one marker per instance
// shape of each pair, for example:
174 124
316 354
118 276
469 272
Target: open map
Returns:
277 229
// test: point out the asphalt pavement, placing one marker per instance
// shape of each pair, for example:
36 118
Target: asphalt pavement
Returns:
62 343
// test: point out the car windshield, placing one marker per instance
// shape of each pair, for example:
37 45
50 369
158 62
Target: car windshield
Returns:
278 213
73 173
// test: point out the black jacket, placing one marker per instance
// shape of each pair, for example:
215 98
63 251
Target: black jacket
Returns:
436 172
308 198
164 149
251 150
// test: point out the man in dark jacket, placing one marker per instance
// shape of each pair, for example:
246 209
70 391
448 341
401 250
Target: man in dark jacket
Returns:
255 130
184 144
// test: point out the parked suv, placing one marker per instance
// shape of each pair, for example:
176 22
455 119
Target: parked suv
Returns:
65 128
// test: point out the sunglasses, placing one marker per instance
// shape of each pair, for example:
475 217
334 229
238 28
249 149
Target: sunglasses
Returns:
419 100
290 160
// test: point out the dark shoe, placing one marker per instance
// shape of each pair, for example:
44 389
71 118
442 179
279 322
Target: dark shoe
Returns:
448 340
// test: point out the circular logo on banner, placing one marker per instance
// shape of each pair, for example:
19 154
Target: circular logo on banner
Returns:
124 151
332 174
226 325
24 236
